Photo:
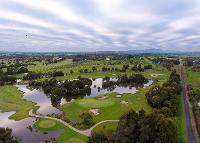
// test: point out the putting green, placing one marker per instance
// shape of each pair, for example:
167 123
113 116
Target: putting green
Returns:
94 103
46 124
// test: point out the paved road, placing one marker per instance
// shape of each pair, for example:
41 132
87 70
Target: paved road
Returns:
190 133
83 132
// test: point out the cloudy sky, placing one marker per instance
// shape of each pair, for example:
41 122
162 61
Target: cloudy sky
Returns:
97 25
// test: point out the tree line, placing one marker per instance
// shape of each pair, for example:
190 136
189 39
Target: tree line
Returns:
68 88
166 62
124 80
194 97
138 127
164 98
5 79
35 75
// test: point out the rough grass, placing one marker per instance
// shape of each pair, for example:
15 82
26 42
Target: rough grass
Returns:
107 128
68 136
180 121
11 100
192 78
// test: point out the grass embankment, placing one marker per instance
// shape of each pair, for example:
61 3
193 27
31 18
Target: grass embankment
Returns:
180 121
11 100
68 136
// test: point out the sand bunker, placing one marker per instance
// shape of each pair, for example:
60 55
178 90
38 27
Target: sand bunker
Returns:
124 102
118 96
94 111
102 97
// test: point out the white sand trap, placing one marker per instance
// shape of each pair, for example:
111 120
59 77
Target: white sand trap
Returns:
94 111
124 102
118 96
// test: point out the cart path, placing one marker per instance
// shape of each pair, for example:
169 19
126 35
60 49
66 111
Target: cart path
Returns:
86 132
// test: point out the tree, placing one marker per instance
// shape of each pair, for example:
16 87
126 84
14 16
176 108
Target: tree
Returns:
57 73
87 119
22 70
156 128
94 69
6 136
71 71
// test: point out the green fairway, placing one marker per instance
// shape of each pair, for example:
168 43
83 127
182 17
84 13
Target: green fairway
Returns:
68 136
46 124
42 67
11 100
110 108
94 103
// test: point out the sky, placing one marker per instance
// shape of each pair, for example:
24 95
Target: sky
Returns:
99 25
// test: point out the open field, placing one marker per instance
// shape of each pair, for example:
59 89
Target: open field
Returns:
67 65
11 100
192 77
68 136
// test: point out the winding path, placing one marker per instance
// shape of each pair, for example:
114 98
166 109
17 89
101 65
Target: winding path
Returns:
191 136
83 132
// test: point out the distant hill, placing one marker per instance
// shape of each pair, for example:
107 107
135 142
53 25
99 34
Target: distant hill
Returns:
150 51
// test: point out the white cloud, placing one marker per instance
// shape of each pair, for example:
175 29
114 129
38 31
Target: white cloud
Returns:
108 24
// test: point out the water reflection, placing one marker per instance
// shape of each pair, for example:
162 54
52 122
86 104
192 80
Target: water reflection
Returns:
96 87
43 101
47 106
23 131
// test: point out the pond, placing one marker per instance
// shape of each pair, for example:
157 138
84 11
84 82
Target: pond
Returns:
23 132
48 107
119 89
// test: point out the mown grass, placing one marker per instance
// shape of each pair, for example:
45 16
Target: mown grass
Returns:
68 136
42 67
110 108
11 100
